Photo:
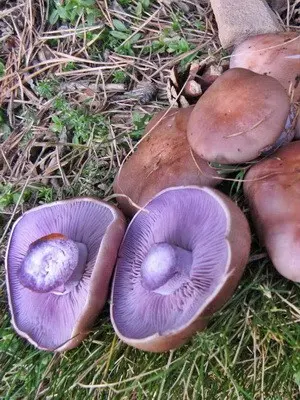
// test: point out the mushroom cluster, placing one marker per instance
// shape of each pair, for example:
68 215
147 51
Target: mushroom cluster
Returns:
245 115
187 245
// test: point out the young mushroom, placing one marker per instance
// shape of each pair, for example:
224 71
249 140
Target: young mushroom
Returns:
272 189
59 262
180 260
241 116
272 54
163 159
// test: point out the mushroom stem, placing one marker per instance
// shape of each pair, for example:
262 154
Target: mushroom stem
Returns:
236 22
77 273
165 268
53 264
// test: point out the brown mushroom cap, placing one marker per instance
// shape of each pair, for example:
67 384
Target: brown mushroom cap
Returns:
241 115
272 188
272 54
163 159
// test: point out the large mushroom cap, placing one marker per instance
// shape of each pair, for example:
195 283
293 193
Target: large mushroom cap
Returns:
272 188
238 118
59 262
272 54
180 260
163 159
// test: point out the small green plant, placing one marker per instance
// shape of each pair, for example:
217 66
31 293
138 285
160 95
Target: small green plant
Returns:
77 121
199 25
70 66
188 59
2 116
176 24
45 194
5 129
72 10
237 183
122 38
141 6
169 42
178 46
119 76
47 88
124 3
139 123
9 196
2 69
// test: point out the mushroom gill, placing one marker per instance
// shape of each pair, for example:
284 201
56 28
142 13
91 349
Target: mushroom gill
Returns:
59 262
180 260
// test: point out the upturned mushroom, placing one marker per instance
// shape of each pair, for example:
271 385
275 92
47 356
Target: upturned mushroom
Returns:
59 262
272 189
180 260
162 159
241 116
272 54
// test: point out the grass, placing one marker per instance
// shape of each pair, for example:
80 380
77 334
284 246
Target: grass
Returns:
79 80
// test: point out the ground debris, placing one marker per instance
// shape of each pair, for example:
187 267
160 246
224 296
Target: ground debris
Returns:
184 87
144 92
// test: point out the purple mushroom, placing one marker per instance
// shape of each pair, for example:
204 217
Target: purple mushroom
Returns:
59 262
180 260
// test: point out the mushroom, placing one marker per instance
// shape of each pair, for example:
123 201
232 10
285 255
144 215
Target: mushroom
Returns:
163 159
240 116
272 189
59 262
180 260
272 54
